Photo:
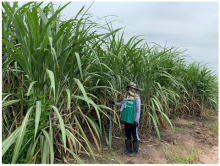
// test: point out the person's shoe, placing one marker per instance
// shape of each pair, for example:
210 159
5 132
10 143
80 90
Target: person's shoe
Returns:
135 147
128 145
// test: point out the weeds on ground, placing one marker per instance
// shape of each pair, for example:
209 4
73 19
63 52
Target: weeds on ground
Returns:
178 129
213 126
109 158
179 157
74 162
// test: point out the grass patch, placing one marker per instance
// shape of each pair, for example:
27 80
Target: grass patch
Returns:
109 158
215 127
178 157
178 129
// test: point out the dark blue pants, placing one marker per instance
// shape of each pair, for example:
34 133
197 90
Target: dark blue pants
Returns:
130 129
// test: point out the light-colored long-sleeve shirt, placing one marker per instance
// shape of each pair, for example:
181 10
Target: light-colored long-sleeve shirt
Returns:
137 107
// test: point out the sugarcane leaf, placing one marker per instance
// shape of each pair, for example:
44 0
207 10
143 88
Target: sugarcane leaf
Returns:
37 118
9 141
6 95
79 64
29 89
9 102
70 135
164 115
68 98
21 136
51 130
47 136
94 125
155 125
76 156
52 79
60 32
94 138
89 101
80 85
85 138
44 152
61 125
74 139
31 152
12 47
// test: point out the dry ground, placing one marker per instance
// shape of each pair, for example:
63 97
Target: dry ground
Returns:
192 136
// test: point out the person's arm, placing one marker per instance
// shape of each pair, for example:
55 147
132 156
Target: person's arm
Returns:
115 103
118 104
138 107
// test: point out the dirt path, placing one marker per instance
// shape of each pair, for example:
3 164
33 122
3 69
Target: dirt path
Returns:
193 141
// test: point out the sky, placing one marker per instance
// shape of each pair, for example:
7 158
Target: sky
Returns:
191 26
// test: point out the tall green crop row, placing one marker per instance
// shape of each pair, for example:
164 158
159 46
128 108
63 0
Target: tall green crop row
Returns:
57 77
55 62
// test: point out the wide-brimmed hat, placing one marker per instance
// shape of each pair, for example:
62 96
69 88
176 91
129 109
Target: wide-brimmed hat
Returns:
133 85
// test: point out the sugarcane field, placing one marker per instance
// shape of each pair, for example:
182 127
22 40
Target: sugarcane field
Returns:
77 90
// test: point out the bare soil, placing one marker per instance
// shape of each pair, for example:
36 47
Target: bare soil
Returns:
189 132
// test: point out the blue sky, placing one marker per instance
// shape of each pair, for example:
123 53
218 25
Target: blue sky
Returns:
187 25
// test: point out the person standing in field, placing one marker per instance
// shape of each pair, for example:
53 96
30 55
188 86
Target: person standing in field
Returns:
130 114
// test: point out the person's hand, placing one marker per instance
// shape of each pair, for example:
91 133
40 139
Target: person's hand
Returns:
135 124
111 102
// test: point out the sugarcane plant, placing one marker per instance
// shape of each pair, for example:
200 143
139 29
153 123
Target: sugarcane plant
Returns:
58 75
54 62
